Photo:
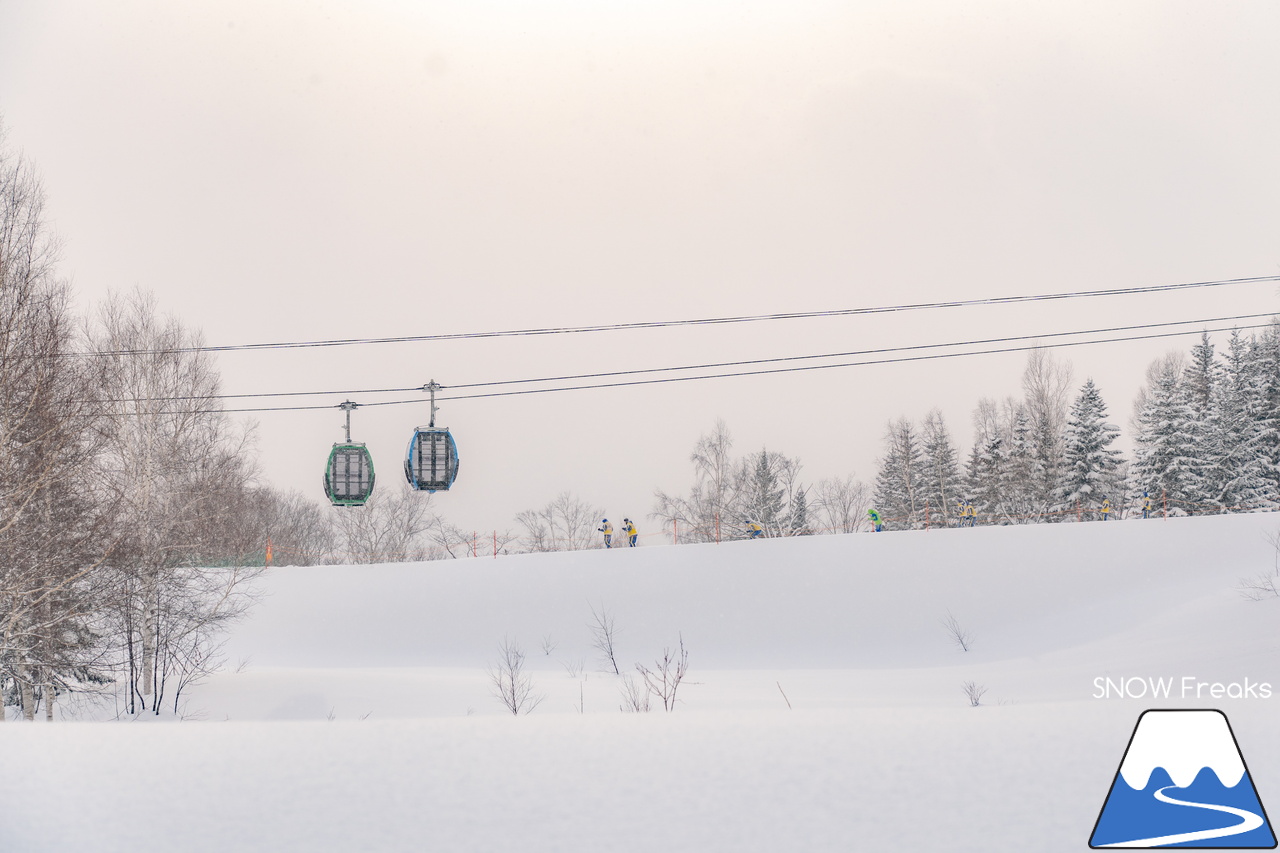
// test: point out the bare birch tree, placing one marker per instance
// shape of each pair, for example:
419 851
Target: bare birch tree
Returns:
568 523
390 528
54 522
712 500
841 504
182 473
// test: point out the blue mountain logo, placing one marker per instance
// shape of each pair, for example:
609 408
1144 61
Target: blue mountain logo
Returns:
1183 783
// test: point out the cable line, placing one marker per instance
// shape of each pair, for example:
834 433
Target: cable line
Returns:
705 321
820 366
774 370
707 366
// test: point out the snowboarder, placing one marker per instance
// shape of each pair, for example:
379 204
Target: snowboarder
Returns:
875 520
607 529
629 527
1106 508
754 531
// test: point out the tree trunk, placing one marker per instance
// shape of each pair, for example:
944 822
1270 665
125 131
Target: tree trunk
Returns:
28 694
150 607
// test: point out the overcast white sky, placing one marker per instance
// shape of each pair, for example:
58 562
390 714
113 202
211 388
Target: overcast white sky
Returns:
288 171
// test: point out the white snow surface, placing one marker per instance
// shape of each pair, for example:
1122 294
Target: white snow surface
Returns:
823 708
1183 743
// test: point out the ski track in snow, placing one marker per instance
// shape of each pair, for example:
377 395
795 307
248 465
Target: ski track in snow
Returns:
1249 821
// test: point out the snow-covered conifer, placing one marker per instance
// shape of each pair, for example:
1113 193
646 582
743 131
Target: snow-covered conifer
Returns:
1165 464
940 473
1238 478
1092 470
762 496
799 524
899 485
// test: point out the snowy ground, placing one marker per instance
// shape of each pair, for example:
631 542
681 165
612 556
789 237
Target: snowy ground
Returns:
823 710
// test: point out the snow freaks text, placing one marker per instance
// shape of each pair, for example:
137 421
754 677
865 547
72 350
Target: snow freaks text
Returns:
1186 687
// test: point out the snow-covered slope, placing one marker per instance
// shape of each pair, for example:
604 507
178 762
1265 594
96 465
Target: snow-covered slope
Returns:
1050 608
823 709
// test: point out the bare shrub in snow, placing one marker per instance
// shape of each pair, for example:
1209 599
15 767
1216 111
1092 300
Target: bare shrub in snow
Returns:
603 632
548 644
512 686
574 667
1261 587
664 679
960 635
974 691
1267 584
635 696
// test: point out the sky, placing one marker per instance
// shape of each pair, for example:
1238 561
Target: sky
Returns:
303 171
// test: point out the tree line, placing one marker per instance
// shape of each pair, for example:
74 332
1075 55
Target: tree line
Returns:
1206 439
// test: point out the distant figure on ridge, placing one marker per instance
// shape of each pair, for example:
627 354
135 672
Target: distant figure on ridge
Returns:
754 530
607 529
971 514
1146 505
629 527
1106 508
875 520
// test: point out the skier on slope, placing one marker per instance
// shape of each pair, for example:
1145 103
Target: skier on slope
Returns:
875 520
607 529
1106 509
754 530
629 528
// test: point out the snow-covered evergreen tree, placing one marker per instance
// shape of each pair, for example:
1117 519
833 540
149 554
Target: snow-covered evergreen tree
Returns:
1019 501
940 472
1092 467
1238 478
1046 387
799 524
1265 365
1002 475
762 496
899 485
985 480
1165 461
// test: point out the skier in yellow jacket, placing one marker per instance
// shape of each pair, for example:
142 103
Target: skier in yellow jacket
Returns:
629 528
607 529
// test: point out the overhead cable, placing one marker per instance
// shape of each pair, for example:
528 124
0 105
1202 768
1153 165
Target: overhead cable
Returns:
705 321
775 370
705 366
